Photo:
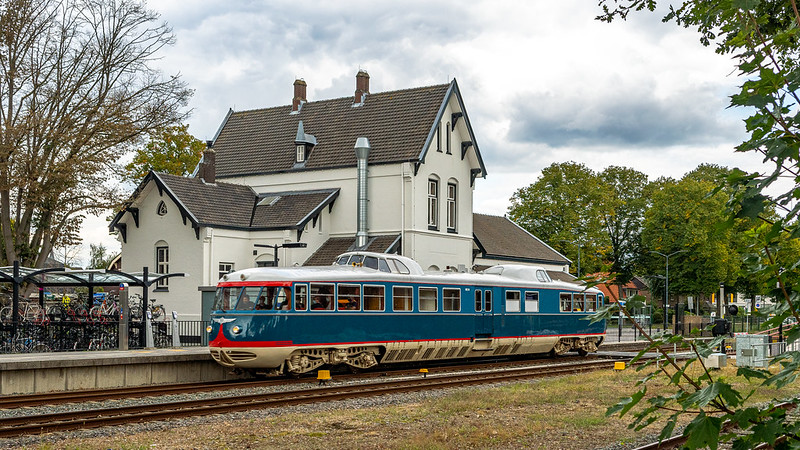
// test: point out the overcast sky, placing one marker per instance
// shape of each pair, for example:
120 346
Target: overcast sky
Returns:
542 82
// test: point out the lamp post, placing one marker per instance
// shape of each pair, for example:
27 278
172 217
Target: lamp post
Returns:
666 286
284 245
580 245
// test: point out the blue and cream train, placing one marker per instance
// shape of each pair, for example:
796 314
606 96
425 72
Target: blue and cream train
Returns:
373 308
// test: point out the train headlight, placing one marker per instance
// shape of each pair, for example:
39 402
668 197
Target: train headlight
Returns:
208 329
236 329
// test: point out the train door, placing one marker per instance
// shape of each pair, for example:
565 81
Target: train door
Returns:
484 315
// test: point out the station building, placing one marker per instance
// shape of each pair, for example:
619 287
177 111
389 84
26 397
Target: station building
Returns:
386 172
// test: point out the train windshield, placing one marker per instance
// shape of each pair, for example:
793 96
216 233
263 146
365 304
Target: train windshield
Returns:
226 296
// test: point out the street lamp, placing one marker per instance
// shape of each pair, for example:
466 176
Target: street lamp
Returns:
580 245
284 245
666 287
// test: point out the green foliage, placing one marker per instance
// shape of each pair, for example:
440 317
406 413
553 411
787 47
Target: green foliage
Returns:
683 217
170 150
763 38
99 258
580 212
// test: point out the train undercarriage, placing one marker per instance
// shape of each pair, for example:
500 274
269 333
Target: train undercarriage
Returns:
303 360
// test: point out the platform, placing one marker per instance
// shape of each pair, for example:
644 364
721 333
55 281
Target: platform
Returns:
48 372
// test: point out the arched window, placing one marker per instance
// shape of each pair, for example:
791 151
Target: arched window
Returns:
452 196
162 263
433 203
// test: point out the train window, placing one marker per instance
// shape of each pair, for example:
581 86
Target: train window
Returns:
371 262
487 301
342 261
321 296
300 297
349 298
383 266
282 297
247 300
512 301
373 298
399 267
591 302
451 299
577 303
427 298
226 297
402 298
478 300
542 276
531 301
566 301
356 260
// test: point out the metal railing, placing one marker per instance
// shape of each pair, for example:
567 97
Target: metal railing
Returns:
57 334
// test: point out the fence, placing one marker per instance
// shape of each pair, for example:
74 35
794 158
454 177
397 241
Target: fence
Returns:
57 335
622 329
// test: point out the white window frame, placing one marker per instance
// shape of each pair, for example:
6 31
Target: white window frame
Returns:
301 153
433 204
513 304
162 265
531 301
408 301
456 306
225 268
435 298
452 188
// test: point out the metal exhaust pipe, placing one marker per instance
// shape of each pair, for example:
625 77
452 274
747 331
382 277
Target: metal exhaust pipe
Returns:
362 153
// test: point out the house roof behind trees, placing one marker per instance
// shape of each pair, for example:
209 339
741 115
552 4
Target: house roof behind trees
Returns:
498 237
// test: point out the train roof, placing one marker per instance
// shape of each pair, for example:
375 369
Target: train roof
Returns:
512 275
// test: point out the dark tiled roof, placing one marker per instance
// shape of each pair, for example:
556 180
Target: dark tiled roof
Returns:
334 247
220 204
397 124
562 276
237 206
288 209
500 238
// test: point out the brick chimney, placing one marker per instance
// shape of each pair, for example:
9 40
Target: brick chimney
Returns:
299 95
208 169
362 86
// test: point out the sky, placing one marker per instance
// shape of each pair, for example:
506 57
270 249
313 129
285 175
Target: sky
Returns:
543 82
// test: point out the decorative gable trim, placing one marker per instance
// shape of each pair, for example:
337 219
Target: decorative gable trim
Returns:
453 90
162 188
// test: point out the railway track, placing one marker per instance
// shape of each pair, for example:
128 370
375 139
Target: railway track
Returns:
58 398
74 420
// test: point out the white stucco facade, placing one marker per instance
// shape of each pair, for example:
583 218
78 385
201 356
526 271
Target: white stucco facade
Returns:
399 201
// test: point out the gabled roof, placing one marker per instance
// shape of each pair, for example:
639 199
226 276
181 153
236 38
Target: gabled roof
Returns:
499 238
399 125
233 206
333 247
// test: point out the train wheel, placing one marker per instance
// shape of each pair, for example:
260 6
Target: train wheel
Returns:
582 352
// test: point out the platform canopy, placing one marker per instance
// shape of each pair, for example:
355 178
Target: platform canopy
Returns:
60 276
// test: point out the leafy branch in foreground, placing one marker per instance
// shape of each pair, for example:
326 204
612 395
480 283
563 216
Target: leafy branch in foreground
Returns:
763 37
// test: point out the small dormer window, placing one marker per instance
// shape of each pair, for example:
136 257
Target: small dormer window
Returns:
301 153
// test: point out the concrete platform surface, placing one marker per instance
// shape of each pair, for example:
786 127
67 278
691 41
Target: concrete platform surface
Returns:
48 372
102 358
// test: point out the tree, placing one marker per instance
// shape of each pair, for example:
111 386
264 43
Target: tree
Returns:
763 37
625 200
170 150
684 216
562 209
99 258
77 90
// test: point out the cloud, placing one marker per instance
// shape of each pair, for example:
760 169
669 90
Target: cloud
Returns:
623 115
